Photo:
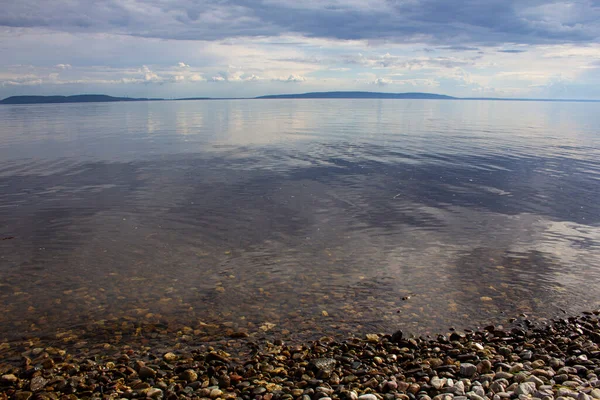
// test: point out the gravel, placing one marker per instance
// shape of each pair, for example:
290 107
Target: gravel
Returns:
559 360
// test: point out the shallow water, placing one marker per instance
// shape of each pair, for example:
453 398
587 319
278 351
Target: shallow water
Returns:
296 217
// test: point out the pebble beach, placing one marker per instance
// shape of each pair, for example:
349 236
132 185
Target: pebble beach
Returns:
557 359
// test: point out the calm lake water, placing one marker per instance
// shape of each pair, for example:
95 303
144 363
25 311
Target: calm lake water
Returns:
296 218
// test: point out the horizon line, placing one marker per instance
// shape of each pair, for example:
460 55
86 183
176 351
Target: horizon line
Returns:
298 96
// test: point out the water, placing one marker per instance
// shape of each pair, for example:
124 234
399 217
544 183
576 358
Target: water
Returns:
295 218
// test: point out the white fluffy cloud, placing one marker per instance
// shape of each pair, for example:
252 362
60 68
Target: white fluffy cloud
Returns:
291 78
182 48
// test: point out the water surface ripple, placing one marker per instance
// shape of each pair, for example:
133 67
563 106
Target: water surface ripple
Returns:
316 216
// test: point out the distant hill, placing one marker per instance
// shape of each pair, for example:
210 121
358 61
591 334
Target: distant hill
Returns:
90 98
80 98
195 98
358 95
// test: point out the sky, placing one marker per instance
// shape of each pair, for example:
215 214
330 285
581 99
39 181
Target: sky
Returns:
244 48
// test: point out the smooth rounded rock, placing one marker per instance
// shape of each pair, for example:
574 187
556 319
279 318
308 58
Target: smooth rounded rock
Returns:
146 372
189 375
154 393
536 381
367 397
467 370
526 388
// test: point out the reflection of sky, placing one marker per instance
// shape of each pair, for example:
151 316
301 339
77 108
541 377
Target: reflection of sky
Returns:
328 202
414 127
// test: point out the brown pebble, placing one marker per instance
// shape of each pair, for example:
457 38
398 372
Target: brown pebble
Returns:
146 372
403 386
24 395
414 388
189 375
484 367
9 379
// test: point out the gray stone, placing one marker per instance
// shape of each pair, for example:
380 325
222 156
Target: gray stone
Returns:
583 396
473 396
458 389
521 377
595 393
467 370
537 381
37 383
323 364
259 390
564 392
541 393
526 388
497 387
526 355
567 370
560 378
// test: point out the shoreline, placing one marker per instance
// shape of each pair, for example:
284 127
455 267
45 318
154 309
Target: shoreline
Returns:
547 361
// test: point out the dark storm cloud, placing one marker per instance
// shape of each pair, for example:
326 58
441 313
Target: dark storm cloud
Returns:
458 23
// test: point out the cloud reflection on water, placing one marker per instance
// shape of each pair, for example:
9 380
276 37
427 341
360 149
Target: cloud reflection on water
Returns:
345 207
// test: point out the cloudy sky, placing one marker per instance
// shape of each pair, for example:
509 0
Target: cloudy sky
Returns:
179 48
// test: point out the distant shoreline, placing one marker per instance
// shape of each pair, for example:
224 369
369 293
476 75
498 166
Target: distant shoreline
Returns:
100 98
